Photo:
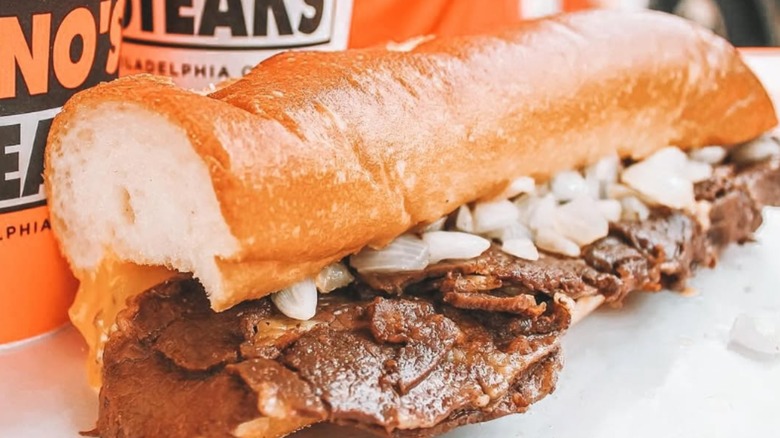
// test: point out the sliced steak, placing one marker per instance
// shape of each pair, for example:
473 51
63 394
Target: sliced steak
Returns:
672 242
391 365
549 274
762 181
407 354
630 266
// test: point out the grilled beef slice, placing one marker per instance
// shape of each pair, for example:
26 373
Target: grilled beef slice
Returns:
407 354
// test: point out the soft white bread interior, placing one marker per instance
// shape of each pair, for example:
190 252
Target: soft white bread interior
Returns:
313 156
142 193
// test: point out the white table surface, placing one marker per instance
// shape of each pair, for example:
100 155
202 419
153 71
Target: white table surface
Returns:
661 366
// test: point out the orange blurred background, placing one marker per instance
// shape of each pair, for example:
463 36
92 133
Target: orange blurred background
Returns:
746 23
378 21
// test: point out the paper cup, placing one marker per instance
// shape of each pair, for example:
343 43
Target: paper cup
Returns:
48 51
207 42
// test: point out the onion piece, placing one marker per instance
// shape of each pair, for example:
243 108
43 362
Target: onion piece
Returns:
759 149
760 333
581 221
443 245
618 191
600 174
298 301
513 231
669 190
568 185
518 186
606 169
596 189
405 253
696 171
525 206
521 247
661 179
611 209
464 220
332 277
543 214
552 241
543 190
670 159
493 215
709 154
634 209
436 225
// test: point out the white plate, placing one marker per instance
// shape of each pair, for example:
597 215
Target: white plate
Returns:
660 367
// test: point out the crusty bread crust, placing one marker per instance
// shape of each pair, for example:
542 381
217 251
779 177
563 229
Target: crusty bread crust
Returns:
313 156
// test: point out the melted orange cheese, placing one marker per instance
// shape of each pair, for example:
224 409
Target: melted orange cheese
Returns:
101 296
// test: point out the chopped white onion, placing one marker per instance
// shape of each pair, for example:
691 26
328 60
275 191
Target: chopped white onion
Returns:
543 214
525 206
332 277
436 225
534 219
513 231
618 191
611 209
552 241
405 253
494 215
581 221
757 150
760 333
670 158
444 245
518 186
697 171
600 174
521 247
669 190
709 154
596 188
634 209
568 185
464 221
606 169
298 301
543 190
661 179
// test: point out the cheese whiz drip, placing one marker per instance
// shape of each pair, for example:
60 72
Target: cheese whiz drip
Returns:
203 42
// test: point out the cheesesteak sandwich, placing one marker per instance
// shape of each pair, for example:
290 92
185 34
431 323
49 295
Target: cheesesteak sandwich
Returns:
396 240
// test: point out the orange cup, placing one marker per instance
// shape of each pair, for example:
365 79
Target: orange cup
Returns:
48 52
36 286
